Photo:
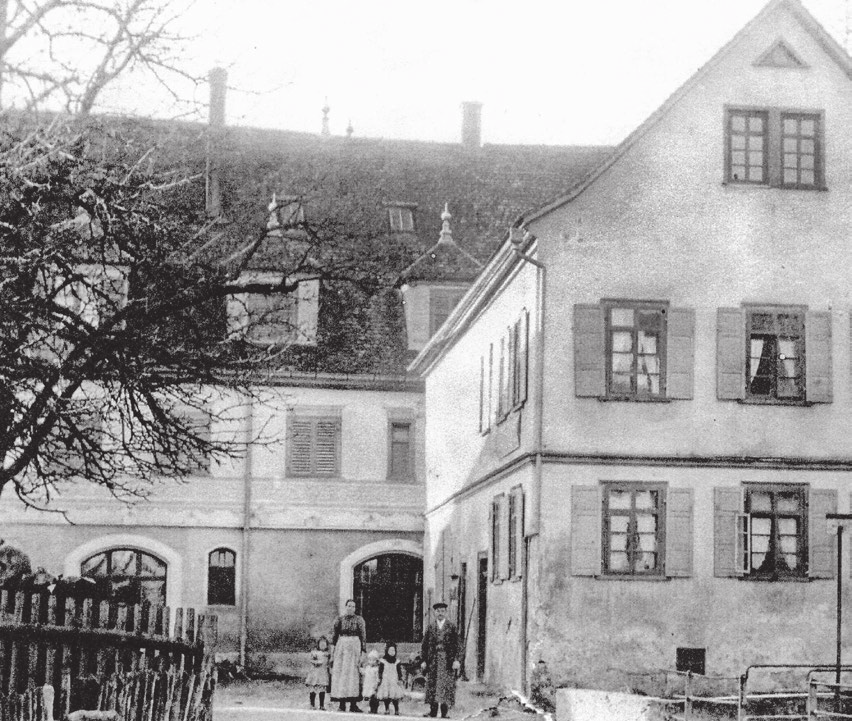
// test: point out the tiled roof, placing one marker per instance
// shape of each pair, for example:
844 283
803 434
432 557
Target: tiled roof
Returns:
351 181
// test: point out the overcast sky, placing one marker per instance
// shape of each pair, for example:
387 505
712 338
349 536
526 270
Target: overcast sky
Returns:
569 72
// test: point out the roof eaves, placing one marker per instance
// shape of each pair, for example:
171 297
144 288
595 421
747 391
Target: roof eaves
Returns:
498 267
801 13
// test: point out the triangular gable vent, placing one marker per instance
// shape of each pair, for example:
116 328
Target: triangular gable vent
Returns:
780 55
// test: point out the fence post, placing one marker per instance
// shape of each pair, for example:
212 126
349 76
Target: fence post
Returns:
741 698
810 711
687 701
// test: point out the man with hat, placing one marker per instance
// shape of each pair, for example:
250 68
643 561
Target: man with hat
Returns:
440 661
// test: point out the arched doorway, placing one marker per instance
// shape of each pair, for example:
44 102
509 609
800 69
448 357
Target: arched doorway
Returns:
388 591
127 575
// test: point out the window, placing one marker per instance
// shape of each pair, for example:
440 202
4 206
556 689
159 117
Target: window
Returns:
287 212
773 533
775 354
633 529
272 318
441 303
401 218
748 142
275 318
516 532
128 576
800 138
388 593
221 578
94 292
635 347
189 457
313 447
774 147
503 375
400 456
496 536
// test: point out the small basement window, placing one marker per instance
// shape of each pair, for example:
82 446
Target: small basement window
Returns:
691 660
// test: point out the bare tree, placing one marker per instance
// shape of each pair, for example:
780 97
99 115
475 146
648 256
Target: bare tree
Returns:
113 290
64 53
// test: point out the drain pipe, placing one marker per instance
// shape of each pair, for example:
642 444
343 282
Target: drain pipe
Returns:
519 237
246 547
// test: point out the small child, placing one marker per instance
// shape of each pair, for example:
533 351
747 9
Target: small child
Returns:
318 677
541 687
390 679
370 682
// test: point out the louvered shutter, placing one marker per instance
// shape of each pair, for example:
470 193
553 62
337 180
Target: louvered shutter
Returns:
483 401
519 531
730 353
504 537
679 535
585 531
308 312
326 447
727 507
589 351
680 353
523 355
821 544
300 447
818 357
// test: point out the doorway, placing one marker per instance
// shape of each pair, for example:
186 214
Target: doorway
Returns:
482 617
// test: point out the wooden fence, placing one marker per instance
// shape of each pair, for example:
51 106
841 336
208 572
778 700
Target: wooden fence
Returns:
137 660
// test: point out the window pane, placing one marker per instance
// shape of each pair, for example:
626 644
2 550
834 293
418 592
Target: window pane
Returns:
646 499
622 342
622 362
807 162
618 524
807 177
788 388
738 122
738 142
621 383
788 503
153 591
647 542
646 562
755 124
789 544
738 157
790 126
618 561
755 159
95 566
123 563
151 566
807 146
760 501
790 177
738 172
621 316
791 145
619 499
618 542
646 523
787 369
647 342
760 544
807 127
756 175
649 365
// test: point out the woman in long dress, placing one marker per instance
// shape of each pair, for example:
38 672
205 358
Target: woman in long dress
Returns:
350 641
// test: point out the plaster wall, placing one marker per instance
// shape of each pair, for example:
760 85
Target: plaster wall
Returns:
593 631
660 224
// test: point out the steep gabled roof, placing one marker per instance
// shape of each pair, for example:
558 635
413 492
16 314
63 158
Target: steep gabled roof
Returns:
831 47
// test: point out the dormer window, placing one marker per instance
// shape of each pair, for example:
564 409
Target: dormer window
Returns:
275 318
285 213
401 218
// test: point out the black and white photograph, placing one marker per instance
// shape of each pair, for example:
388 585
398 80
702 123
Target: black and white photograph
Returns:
460 360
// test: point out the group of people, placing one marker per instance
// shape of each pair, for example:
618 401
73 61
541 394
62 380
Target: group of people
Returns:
346 671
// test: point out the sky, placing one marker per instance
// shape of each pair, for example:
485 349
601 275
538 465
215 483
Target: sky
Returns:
570 72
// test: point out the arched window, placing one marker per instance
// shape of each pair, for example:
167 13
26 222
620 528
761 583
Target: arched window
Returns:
128 575
221 578
388 590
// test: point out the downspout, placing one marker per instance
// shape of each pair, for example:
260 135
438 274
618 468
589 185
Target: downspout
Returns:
246 547
520 236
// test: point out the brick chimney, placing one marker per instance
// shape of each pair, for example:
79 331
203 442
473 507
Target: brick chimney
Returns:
471 135
218 79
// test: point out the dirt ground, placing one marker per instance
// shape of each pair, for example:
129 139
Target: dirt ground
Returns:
471 698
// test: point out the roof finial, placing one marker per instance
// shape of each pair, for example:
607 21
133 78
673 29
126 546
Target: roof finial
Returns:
325 109
272 222
446 233
349 129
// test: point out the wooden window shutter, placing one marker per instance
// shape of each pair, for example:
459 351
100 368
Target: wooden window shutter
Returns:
679 533
504 537
300 447
523 355
483 403
326 447
821 544
680 353
519 532
586 530
589 351
727 508
818 357
730 353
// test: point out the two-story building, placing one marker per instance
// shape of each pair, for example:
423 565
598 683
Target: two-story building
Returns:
329 504
639 415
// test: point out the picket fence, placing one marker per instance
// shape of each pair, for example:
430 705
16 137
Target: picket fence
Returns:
60 654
